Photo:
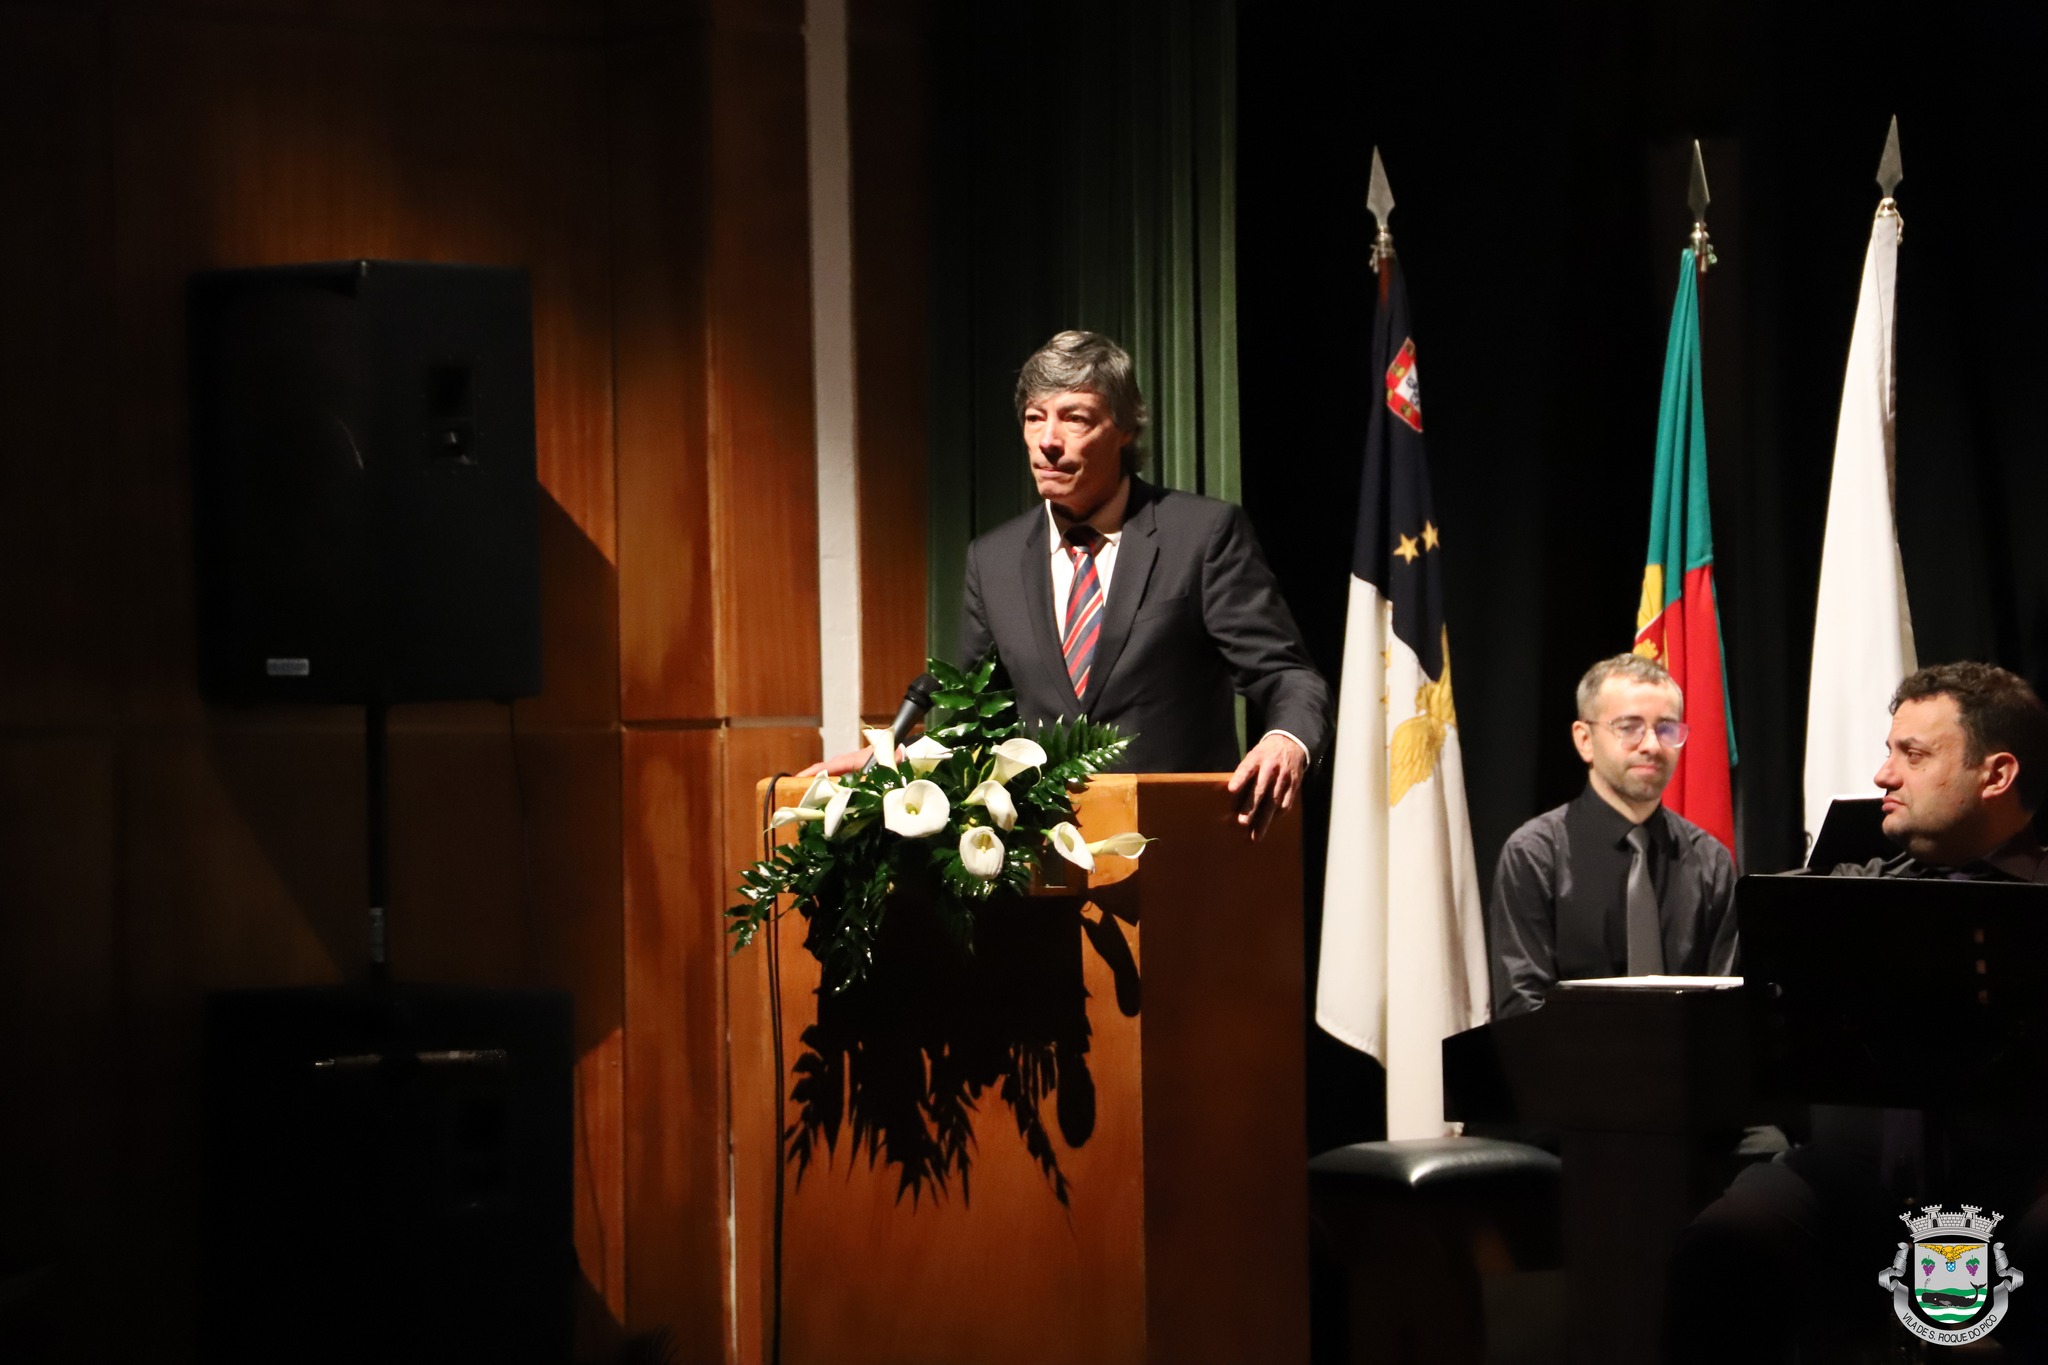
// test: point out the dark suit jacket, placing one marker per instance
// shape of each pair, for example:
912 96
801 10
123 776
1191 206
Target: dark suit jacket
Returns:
1193 616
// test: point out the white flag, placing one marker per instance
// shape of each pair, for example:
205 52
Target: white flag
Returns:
1862 627
1403 961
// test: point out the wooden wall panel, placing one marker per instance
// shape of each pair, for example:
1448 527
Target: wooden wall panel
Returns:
252 142
754 756
756 1125
61 1195
652 179
257 144
758 320
666 623
56 663
241 865
675 1083
572 927
887 95
524 18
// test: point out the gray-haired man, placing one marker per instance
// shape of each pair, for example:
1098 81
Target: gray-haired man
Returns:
1611 883
1138 606
1141 606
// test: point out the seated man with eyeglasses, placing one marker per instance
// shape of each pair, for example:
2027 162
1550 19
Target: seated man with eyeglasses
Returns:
1611 883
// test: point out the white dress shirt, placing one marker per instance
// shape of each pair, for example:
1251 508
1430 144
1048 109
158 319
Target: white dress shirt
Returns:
1063 568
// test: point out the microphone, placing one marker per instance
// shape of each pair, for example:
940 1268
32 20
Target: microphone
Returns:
917 699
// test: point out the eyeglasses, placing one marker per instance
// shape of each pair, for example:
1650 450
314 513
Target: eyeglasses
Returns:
1629 730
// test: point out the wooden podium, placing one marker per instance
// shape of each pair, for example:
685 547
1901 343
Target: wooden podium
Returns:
1135 1039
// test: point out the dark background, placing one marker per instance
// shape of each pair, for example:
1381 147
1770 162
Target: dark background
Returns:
1539 162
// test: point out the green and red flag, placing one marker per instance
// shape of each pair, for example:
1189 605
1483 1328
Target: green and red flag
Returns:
1678 623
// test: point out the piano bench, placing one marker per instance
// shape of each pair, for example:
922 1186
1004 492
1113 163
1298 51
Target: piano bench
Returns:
1411 1228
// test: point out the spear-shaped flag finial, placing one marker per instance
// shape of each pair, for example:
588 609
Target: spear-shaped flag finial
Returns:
1698 198
1379 201
1889 170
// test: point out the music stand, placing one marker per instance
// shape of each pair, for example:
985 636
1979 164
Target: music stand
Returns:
1923 994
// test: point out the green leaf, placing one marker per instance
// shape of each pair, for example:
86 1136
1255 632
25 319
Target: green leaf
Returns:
843 888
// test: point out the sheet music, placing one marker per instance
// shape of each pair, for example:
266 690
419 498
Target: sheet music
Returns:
1713 983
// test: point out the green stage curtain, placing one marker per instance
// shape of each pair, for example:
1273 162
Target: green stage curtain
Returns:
1084 175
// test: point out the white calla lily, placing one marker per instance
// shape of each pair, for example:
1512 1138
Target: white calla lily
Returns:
926 755
1127 845
996 797
1067 842
883 742
835 811
1017 755
819 794
981 852
789 815
916 811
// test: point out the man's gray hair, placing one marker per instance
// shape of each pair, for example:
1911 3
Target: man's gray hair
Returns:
1633 667
1090 361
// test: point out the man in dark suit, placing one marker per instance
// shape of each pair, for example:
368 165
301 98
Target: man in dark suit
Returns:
1138 606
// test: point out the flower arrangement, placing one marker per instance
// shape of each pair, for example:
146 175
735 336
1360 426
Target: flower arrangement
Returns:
971 809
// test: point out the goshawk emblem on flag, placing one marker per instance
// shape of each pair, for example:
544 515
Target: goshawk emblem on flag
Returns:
1949 1284
1419 740
1404 390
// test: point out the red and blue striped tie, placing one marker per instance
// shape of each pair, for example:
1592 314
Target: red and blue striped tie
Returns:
1084 606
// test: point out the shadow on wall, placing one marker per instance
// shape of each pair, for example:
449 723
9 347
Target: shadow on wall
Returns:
504 822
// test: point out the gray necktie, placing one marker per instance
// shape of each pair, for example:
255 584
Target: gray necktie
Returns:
1645 938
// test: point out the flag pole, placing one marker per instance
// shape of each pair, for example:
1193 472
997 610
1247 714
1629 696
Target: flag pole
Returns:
1698 198
1862 620
1678 620
1402 958
1379 202
1889 174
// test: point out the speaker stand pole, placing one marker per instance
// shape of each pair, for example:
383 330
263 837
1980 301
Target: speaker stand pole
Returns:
377 752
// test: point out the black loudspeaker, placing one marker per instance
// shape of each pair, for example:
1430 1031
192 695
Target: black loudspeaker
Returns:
365 506
388 1176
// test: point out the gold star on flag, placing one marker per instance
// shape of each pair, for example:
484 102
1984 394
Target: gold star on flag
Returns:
1429 536
1406 550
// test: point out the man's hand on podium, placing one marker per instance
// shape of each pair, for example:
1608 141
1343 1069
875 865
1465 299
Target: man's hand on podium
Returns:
1268 780
839 765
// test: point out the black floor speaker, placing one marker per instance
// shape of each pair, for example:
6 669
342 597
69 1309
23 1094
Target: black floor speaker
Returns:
388 1177
365 506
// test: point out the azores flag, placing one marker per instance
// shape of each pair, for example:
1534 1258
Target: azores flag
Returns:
1403 962
1677 623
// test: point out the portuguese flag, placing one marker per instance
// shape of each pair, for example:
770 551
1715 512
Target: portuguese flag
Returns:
1678 624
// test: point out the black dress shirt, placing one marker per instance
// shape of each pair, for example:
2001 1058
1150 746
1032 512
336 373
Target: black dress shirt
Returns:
1559 908
2019 859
